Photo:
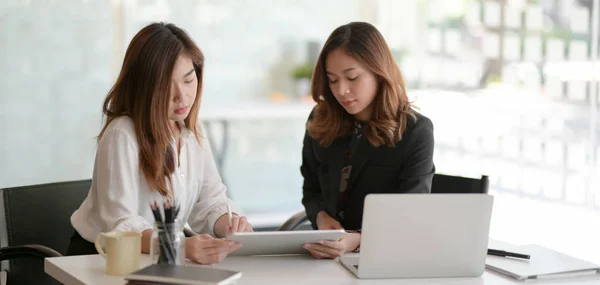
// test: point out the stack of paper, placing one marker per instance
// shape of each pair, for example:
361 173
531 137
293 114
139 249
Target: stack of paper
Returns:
543 262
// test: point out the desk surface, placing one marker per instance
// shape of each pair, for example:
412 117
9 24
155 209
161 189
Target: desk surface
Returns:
299 269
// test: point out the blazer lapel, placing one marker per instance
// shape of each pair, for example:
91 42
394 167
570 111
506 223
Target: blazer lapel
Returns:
338 148
361 156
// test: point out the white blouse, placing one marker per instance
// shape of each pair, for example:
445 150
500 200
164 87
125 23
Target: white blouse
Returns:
120 198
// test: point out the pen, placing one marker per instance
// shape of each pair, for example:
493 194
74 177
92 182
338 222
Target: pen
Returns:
507 254
229 215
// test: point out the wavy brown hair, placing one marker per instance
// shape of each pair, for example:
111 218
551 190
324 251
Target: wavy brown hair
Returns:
391 108
142 93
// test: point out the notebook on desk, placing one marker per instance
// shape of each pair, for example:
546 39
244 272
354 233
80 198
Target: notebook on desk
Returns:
178 274
544 262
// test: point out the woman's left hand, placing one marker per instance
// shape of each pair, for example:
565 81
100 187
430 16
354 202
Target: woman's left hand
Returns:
334 249
238 224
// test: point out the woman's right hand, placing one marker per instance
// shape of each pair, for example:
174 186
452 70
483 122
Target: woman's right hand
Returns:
205 249
326 222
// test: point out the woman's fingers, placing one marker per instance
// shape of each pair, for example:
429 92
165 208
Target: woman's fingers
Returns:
235 220
317 254
323 251
208 250
337 245
242 222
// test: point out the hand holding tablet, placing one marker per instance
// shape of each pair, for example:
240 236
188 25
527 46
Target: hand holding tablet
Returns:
279 242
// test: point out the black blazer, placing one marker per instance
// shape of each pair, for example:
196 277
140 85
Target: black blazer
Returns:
406 168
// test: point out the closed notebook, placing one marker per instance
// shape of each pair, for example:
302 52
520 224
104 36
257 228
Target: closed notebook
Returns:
544 262
189 275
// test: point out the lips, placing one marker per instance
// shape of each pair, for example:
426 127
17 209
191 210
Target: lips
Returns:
181 111
348 102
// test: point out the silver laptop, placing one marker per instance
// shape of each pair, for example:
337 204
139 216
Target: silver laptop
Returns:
423 236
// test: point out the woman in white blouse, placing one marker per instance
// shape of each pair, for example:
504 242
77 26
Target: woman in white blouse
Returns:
151 149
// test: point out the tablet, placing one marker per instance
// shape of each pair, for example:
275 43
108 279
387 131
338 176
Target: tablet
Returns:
280 242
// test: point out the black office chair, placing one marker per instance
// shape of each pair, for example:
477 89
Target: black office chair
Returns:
457 184
441 184
35 224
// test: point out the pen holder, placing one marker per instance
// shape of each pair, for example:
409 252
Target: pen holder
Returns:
167 245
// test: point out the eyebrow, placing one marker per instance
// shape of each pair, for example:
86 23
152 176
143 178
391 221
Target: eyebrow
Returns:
189 72
343 71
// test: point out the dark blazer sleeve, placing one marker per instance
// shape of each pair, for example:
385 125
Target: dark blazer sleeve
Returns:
418 168
311 197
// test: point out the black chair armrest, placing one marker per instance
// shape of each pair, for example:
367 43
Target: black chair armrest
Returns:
27 251
294 221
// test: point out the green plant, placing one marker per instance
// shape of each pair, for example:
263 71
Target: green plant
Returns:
493 79
302 71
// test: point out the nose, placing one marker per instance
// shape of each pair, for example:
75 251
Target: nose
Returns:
177 94
343 88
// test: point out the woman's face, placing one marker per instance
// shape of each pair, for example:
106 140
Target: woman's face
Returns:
183 89
353 85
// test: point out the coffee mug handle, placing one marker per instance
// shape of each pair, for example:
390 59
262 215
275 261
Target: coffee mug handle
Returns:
98 247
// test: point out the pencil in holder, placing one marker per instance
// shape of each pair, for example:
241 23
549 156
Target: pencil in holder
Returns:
167 244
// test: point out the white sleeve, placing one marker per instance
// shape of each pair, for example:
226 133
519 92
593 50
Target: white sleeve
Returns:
118 183
212 199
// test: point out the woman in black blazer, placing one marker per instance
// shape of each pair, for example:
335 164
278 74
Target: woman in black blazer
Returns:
362 137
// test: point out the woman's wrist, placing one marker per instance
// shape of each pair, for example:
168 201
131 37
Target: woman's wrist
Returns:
221 226
320 215
188 247
354 245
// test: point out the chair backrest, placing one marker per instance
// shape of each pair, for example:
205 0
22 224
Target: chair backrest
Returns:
38 214
456 184
299 221
441 184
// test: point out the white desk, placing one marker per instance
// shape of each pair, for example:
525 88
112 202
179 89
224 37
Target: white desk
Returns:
88 270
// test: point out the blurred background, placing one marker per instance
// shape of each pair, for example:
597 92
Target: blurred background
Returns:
510 85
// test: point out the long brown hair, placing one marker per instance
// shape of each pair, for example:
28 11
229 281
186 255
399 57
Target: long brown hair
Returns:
391 108
142 93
